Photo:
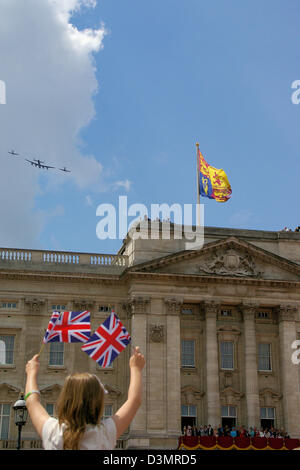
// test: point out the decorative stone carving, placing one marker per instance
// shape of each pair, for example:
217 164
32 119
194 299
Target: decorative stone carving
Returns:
230 395
136 305
113 392
156 333
230 263
173 306
268 397
249 310
35 305
189 394
211 308
286 313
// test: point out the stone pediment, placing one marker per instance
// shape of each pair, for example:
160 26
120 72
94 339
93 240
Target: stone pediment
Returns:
8 388
52 389
226 258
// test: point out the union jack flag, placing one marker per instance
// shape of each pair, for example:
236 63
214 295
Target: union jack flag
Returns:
54 317
108 341
69 327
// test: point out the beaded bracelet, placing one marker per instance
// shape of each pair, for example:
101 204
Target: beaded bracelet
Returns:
29 393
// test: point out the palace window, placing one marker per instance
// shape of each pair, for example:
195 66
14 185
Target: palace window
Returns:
104 308
108 411
58 308
263 315
56 354
226 313
188 353
267 417
228 414
8 305
7 343
187 311
227 350
188 415
4 420
50 409
264 356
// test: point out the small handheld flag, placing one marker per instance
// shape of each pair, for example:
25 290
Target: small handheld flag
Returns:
108 341
53 319
69 327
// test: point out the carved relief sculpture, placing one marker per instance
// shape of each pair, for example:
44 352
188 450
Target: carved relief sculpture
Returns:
229 262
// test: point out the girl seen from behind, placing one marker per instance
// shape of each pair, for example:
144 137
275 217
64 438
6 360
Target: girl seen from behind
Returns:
80 409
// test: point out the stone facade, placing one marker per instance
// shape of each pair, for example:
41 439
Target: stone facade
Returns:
216 325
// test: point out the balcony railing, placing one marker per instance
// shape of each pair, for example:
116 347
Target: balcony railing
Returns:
59 258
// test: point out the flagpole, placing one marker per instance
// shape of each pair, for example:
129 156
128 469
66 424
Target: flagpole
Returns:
198 187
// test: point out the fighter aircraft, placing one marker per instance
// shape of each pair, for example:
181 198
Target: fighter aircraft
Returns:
12 152
65 169
39 163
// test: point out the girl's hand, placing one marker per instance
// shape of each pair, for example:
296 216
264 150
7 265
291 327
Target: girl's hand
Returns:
33 365
137 359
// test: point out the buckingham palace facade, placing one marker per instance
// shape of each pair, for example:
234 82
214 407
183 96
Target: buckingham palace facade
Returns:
216 325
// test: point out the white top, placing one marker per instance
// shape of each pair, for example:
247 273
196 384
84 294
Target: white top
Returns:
99 437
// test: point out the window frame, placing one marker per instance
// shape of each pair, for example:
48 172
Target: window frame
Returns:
184 354
52 353
263 357
223 355
2 415
10 351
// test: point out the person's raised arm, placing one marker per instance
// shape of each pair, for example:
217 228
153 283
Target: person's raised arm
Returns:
37 412
126 413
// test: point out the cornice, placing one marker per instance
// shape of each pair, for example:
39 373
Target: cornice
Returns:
51 276
230 242
206 279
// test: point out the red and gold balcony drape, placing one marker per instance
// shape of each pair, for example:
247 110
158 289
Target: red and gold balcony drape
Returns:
235 443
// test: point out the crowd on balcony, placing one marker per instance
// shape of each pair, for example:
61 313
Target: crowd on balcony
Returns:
240 431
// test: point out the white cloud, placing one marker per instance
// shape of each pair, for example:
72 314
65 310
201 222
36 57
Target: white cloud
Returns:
49 70
124 184
88 200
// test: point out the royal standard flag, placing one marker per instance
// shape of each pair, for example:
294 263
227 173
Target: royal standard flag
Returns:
213 183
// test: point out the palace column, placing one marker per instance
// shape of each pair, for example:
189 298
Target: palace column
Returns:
212 364
155 327
288 370
251 375
173 369
138 310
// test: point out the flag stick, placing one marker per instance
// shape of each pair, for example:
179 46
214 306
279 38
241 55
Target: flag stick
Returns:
42 347
198 187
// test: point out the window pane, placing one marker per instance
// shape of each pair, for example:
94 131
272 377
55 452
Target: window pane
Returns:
226 355
7 349
56 354
224 411
188 353
184 410
192 410
4 420
271 413
108 410
263 413
264 356
50 409
232 411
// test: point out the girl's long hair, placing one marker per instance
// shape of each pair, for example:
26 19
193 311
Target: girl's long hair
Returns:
81 402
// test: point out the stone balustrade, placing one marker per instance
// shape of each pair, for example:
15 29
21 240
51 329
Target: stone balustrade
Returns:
17 257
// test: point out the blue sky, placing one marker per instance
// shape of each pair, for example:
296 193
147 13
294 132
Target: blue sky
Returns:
172 73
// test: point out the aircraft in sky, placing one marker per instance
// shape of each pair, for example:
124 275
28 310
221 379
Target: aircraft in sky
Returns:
65 169
39 163
12 152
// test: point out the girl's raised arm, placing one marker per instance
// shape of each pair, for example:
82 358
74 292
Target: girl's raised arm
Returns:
126 413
